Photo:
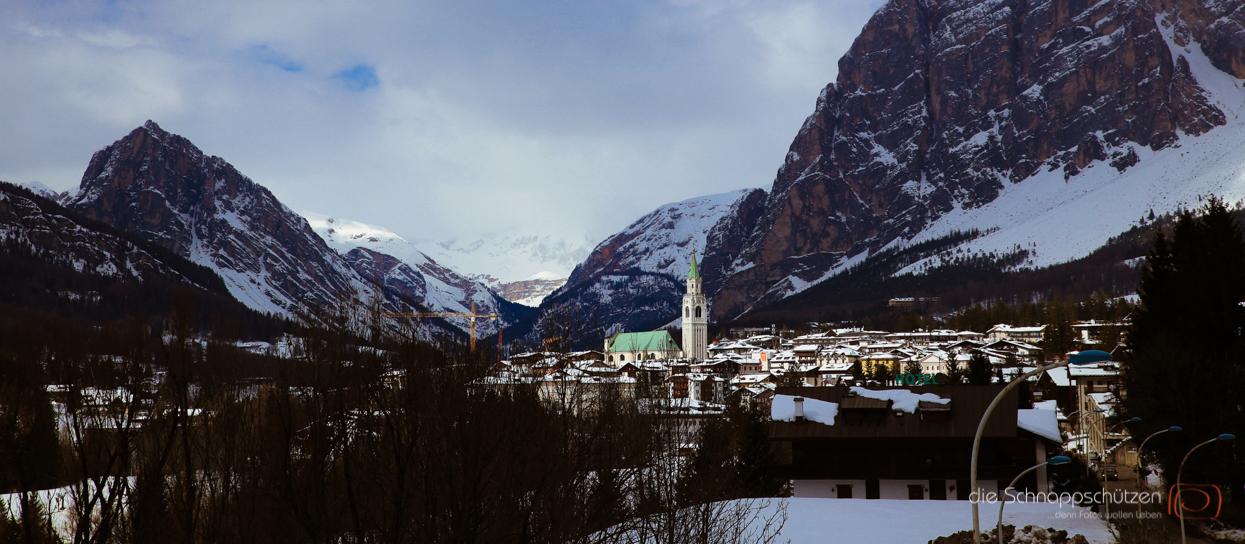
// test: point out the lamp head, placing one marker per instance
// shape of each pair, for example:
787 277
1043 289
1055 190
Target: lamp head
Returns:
1088 356
1135 420
1059 460
1226 436
1174 429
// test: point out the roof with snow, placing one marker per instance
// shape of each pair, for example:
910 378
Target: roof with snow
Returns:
1059 376
1100 370
902 412
1044 423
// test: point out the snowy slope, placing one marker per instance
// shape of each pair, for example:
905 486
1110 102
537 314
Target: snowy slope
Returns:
497 260
662 241
437 287
43 190
852 520
634 280
1059 220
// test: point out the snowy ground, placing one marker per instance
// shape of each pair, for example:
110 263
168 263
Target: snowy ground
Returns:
917 522
57 502
812 521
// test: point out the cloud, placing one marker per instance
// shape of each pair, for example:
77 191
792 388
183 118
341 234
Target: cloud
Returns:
267 55
550 117
358 78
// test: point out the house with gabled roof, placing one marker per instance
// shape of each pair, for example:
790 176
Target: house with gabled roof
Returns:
906 443
1020 349
1022 334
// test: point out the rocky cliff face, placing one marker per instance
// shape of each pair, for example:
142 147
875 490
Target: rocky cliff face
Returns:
529 292
161 187
86 248
940 105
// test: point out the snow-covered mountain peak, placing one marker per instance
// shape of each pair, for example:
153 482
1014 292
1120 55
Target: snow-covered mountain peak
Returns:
662 241
43 190
344 235
519 256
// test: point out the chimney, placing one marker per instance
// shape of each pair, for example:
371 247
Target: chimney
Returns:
799 409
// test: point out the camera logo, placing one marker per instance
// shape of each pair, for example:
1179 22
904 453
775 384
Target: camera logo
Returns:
1194 501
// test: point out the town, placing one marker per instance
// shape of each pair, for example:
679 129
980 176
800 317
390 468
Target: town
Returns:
873 376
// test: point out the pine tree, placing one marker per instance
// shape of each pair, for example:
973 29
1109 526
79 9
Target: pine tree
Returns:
979 370
912 367
955 374
1058 337
1186 360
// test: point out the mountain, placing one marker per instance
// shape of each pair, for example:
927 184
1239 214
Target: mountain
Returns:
1046 127
65 239
513 257
61 269
529 292
162 188
45 191
522 267
634 280
382 256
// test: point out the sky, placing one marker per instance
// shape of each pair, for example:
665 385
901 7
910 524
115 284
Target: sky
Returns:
438 120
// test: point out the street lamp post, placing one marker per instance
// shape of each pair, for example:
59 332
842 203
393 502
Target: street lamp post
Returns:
1082 358
1054 461
1180 472
1172 429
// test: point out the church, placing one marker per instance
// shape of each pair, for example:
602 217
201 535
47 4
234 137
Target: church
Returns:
640 346
695 316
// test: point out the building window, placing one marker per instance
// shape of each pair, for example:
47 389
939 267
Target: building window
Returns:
621 357
697 311
916 492
687 312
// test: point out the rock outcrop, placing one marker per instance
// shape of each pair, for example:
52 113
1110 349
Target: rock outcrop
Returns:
70 242
164 189
940 105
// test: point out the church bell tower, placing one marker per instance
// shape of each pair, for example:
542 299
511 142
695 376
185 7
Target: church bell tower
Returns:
695 316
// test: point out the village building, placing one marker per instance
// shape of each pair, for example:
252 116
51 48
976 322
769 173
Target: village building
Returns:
907 443
640 346
1021 334
1093 384
1014 347
835 373
1090 331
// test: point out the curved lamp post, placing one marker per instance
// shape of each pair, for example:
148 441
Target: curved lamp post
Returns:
1180 504
1082 358
1054 461
1172 429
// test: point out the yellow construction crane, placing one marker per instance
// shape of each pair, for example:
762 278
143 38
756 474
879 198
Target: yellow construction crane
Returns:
550 341
471 318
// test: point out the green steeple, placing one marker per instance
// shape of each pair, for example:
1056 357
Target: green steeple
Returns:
694 273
